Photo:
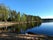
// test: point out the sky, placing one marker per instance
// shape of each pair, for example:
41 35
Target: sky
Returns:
42 8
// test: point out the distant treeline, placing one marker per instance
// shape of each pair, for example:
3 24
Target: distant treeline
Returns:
47 20
6 14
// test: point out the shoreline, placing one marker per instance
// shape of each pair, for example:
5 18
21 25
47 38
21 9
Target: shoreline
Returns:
11 23
22 36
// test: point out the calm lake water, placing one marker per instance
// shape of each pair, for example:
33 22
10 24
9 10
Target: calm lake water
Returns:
44 28
35 28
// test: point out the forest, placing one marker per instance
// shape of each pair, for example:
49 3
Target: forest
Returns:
6 14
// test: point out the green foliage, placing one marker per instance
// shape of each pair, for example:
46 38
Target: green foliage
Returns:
23 18
18 17
4 12
12 15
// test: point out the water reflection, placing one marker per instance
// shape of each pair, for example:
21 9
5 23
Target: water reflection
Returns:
21 28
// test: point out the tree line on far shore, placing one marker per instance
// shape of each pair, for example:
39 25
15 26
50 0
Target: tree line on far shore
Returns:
6 14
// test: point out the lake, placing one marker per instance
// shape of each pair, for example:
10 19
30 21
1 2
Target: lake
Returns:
44 28
34 28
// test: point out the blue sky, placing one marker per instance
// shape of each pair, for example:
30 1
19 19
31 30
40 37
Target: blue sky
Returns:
42 8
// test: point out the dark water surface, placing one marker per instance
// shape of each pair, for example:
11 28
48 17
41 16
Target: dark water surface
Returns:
21 28
44 28
34 28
